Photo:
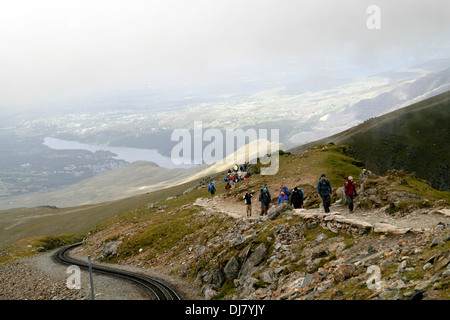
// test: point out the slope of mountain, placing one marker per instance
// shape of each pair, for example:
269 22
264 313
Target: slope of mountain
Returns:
132 179
415 139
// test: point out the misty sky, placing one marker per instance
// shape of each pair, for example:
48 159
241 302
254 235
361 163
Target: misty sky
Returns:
52 50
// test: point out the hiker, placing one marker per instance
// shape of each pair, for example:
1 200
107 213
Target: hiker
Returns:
286 191
228 186
297 198
211 189
350 192
267 189
324 190
262 204
265 199
283 198
248 203
235 168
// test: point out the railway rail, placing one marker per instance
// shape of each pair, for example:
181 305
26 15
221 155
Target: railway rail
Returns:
158 288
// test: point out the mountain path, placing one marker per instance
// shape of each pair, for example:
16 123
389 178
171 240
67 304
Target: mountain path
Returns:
423 220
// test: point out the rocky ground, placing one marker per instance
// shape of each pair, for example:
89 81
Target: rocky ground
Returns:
302 259
39 278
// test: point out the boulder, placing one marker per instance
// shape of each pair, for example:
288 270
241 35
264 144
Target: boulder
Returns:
210 291
231 270
388 228
343 272
365 174
110 248
275 211
254 259
214 276
268 276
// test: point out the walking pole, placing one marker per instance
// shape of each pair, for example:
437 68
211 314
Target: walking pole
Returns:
92 281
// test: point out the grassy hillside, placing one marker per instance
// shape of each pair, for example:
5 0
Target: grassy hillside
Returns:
38 222
130 180
415 139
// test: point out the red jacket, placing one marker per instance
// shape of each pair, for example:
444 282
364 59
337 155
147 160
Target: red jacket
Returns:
350 188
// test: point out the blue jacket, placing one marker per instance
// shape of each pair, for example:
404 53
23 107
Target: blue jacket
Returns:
286 191
282 198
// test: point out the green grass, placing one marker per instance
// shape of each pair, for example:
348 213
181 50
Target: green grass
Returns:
36 245
45 221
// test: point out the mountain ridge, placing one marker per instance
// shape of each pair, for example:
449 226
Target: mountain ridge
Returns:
412 138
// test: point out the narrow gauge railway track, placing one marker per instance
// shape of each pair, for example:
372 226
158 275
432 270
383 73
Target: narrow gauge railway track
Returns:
159 289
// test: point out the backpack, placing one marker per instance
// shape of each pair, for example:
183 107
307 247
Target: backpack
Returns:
265 198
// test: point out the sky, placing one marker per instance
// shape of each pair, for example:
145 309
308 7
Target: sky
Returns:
57 50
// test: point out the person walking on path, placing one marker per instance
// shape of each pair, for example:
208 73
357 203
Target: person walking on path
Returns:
324 190
283 198
260 200
350 192
286 191
265 199
211 189
297 198
248 203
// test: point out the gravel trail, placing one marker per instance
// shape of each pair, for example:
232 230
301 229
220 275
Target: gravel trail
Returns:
39 278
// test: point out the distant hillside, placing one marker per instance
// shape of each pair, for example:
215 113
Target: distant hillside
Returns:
415 139
132 179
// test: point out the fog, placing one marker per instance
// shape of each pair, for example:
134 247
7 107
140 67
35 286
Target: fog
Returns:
54 51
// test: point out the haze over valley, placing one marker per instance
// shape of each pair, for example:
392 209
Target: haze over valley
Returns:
105 84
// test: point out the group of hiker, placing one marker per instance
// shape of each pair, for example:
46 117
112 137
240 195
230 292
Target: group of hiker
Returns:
237 168
325 190
295 196
236 177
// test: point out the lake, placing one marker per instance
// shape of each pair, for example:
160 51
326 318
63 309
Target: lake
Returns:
122 153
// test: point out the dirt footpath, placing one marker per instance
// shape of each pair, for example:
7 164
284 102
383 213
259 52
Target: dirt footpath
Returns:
420 219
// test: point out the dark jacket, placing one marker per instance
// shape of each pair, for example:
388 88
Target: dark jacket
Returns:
265 198
297 198
248 198
324 187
